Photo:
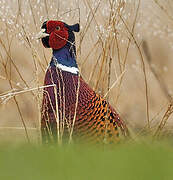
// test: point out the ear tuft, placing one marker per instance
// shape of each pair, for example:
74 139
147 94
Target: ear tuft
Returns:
75 27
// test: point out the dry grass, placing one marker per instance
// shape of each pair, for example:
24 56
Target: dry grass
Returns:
124 51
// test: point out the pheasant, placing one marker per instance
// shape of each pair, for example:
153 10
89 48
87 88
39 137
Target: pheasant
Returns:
71 110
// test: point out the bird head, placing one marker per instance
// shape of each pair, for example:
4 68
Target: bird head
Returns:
57 34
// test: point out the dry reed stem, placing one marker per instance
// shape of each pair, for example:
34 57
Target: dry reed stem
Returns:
57 115
46 8
89 53
18 128
62 102
86 27
22 119
11 94
76 105
94 67
19 111
163 88
16 68
128 46
103 59
108 89
144 72
11 86
141 132
164 120
163 9
116 81
157 76
33 16
33 50
106 49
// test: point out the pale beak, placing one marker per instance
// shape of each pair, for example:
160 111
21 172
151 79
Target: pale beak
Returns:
42 34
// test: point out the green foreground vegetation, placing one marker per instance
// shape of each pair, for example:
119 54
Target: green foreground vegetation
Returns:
122 162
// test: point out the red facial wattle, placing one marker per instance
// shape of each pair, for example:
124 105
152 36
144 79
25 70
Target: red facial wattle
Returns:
58 34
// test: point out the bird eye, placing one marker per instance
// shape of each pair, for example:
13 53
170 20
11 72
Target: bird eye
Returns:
58 28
